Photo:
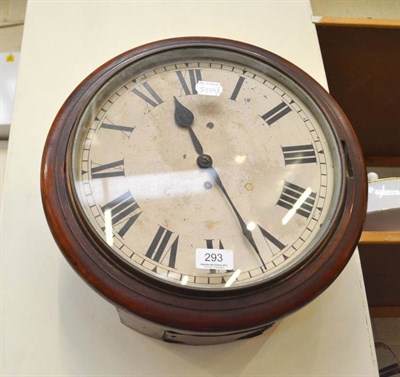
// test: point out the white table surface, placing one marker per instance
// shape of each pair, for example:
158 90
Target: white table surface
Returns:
52 324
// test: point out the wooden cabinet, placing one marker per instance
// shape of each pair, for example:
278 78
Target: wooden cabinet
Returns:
380 261
362 64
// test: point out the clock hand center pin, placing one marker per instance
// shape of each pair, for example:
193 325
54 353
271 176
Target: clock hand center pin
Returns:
184 118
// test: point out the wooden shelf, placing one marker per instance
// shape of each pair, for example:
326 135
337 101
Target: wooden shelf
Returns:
378 237
384 311
356 22
362 60
380 261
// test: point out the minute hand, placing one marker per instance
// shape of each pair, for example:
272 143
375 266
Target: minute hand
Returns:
184 118
247 233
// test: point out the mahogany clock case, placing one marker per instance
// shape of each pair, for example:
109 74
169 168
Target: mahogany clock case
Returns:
184 308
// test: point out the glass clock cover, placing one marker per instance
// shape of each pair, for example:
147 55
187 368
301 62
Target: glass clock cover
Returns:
203 185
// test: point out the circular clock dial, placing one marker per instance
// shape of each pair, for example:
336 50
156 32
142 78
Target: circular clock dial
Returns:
201 172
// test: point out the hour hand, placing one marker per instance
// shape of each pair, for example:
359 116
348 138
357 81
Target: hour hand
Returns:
184 118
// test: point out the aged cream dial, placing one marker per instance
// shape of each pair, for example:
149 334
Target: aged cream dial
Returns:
259 209
206 187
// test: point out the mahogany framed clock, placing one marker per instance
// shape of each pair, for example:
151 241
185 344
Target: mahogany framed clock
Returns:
206 187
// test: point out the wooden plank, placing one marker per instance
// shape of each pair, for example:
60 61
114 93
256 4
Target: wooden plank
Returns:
371 237
384 311
380 263
357 22
391 161
362 68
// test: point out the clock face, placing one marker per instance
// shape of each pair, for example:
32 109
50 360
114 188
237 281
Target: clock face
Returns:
205 186
205 168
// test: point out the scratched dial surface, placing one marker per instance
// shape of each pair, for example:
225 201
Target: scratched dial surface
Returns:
140 188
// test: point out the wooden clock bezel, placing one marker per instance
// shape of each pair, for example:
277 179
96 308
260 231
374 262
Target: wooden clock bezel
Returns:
188 309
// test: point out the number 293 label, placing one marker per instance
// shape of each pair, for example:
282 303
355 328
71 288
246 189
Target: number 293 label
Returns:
216 259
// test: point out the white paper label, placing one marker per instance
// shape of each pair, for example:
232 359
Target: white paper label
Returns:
215 259
209 88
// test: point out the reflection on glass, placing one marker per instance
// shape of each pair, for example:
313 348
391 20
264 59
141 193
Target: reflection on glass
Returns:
185 280
233 278
240 159
251 226
108 227
296 206
173 184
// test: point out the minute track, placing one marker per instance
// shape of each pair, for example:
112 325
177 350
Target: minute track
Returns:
238 93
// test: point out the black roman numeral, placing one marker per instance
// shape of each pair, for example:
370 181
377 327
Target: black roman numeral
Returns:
115 127
276 113
299 154
159 249
210 244
151 98
123 209
113 169
237 88
290 196
194 77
